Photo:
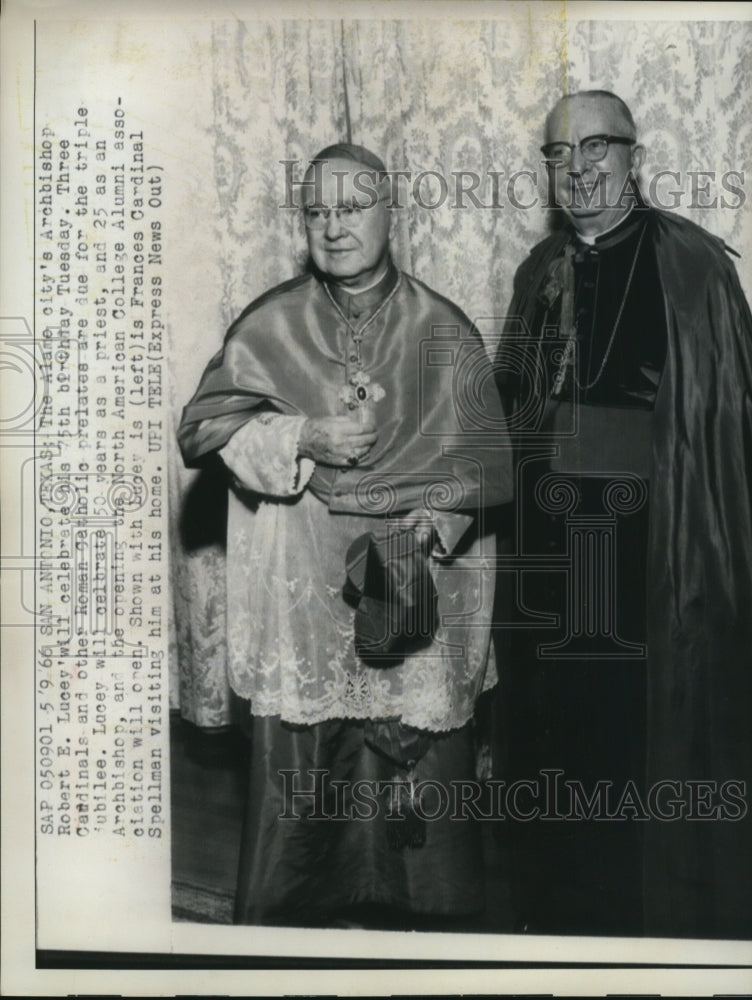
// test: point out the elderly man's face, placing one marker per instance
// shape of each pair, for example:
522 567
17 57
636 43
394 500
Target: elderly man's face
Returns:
592 193
348 237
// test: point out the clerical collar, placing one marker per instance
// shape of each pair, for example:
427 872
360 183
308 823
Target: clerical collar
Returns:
591 241
367 298
366 288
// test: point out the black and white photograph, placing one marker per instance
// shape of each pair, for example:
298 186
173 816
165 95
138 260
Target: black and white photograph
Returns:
377 488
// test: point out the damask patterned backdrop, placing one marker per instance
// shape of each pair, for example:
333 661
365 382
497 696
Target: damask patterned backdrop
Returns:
426 95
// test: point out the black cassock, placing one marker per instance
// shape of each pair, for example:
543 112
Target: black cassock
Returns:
628 687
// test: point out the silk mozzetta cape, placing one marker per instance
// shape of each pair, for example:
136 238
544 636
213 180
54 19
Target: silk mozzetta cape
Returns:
698 873
290 350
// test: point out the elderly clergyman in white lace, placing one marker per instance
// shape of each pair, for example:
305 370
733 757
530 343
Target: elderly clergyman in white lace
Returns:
354 401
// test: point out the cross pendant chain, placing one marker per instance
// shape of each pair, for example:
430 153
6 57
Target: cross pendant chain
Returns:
359 391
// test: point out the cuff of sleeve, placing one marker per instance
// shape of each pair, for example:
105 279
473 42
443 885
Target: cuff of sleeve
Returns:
302 467
263 455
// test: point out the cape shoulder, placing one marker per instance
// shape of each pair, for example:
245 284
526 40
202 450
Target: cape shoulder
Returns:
439 303
541 255
295 287
300 287
707 248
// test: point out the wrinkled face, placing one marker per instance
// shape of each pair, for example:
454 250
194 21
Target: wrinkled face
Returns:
347 229
593 195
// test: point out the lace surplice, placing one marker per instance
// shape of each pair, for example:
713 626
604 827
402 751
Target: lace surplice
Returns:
290 631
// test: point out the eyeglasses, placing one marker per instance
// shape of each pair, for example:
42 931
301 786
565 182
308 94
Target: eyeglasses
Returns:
592 147
351 216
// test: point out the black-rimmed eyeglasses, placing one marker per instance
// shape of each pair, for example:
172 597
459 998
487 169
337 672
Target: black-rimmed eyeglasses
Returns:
592 147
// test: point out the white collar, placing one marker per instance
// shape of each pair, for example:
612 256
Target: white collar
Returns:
590 240
359 291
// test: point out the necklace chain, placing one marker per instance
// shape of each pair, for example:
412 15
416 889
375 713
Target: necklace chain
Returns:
568 355
357 335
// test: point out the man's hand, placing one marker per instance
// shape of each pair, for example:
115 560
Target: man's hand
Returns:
338 441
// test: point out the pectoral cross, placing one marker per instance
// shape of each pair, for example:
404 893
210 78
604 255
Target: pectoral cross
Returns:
360 392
